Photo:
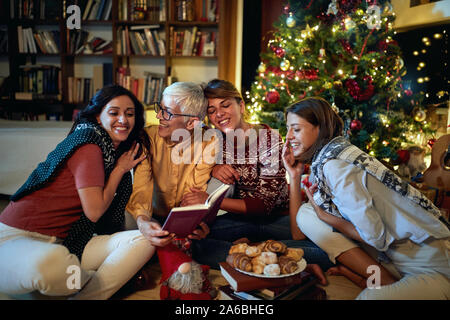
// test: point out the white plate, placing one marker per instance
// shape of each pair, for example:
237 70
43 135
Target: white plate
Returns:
301 267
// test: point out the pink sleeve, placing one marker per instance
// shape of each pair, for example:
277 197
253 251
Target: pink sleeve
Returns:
86 165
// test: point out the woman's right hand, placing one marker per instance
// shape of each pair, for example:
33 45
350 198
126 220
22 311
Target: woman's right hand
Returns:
127 160
153 232
225 173
293 167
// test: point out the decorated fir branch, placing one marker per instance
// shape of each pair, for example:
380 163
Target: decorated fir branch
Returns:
345 52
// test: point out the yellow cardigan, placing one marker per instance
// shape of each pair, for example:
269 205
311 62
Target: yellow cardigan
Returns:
160 183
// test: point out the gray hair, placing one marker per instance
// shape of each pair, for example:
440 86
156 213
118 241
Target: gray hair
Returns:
189 96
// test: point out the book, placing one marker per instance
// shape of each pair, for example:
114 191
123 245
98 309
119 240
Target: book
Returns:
309 293
287 292
183 220
243 282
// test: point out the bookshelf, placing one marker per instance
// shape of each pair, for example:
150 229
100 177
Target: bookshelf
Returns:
131 42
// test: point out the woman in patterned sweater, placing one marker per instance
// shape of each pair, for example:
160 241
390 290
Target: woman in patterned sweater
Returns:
251 161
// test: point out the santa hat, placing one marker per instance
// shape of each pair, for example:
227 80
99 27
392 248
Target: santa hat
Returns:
170 258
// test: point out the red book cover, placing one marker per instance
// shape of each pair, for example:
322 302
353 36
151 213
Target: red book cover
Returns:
242 282
183 220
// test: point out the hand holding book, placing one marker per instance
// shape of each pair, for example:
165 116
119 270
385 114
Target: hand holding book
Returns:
183 221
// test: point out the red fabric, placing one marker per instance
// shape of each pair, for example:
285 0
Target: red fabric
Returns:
170 258
53 209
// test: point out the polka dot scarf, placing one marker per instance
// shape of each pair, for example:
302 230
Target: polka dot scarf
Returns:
83 229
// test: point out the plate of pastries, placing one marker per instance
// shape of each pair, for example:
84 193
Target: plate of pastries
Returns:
268 259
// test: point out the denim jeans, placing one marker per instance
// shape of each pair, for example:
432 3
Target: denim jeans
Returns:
230 227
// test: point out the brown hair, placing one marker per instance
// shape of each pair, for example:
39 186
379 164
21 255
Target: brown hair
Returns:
218 88
318 112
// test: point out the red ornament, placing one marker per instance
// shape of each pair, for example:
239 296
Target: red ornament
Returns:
403 156
431 142
286 9
355 125
280 52
355 90
272 96
408 92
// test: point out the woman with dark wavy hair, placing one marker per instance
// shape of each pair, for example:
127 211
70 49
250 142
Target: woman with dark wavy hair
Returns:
62 233
357 202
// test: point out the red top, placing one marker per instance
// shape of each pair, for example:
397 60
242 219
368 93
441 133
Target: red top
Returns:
53 209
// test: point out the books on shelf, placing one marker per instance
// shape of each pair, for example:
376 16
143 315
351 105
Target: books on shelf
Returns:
147 89
137 10
96 9
192 42
80 90
32 9
84 42
140 40
40 80
29 41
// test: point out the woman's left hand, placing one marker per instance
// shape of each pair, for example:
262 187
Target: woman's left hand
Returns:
309 193
196 196
127 160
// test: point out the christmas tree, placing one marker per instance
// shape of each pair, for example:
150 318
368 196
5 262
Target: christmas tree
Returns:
345 52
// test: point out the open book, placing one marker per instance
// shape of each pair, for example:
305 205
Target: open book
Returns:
183 220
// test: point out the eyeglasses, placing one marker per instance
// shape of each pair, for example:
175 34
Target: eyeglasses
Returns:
167 115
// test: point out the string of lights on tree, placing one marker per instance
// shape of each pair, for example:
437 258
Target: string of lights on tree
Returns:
343 51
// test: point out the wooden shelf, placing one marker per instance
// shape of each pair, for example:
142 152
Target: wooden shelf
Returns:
202 57
140 22
202 24
68 62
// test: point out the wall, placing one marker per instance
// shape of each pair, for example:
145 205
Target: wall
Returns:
421 15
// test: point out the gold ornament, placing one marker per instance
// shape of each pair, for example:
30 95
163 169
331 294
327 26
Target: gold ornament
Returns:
328 85
420 115
262 67
307 32
285 64
337 83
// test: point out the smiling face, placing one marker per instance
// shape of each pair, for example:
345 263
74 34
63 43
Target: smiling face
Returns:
301 134
226 114
167 127
118 118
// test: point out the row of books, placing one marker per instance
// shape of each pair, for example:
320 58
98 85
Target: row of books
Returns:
147 90
143 40
29 41
95 9
135 10
80 90
192 42
84 42
31 9
201 10
301 286
39 81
